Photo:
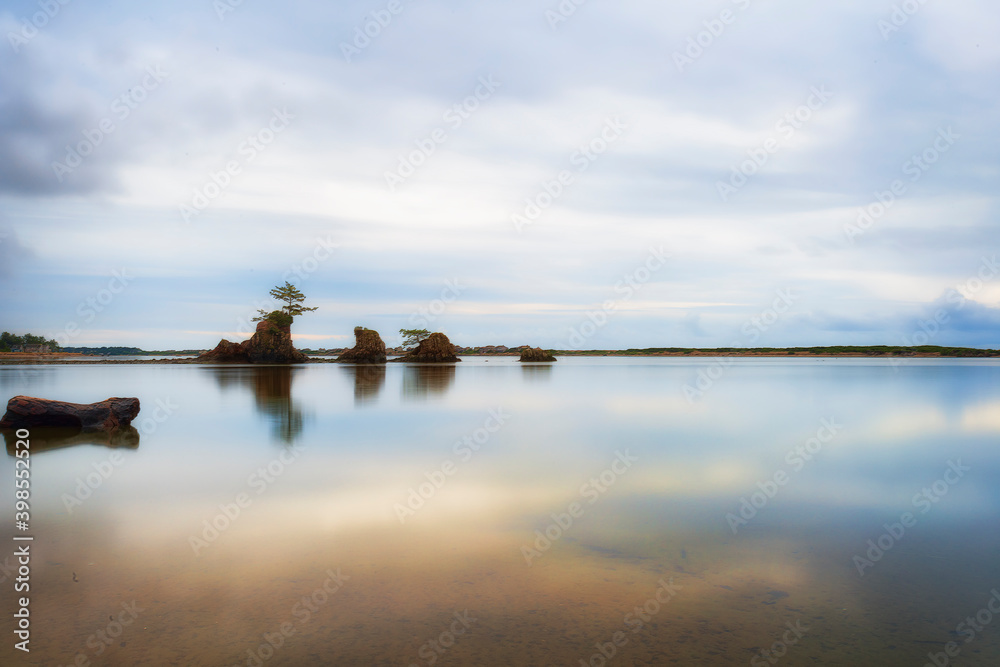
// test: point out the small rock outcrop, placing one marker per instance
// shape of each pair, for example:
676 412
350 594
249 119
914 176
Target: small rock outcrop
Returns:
435 349
368 348
535 354
270 344
107 415
226 352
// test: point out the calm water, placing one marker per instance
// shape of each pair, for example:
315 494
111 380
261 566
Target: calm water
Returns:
500 514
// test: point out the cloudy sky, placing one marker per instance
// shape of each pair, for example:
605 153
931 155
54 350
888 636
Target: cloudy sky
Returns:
588 174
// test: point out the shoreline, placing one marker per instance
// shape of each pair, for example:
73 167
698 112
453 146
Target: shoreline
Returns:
965 353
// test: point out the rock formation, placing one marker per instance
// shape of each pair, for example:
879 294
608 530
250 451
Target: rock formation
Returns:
107 415
368 348
226 352
270 344
535 354
435 349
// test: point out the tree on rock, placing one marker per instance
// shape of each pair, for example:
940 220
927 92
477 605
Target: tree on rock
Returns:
293 299
413 337
436 348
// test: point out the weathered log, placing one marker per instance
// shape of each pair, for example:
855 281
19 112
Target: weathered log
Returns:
106 415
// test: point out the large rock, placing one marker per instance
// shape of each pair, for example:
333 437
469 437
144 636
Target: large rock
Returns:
226 352
270 344
435 349
107 415
535 354
368 348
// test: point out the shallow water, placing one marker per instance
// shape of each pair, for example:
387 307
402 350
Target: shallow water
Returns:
313 478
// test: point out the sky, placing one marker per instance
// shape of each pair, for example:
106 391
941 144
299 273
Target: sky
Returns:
577 174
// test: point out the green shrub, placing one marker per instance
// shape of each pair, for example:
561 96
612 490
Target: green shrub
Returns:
279 318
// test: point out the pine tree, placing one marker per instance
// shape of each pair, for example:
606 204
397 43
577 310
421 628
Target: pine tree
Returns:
293 299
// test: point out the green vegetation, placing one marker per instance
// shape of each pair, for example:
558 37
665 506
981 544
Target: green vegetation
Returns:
278 318
293 299
117 351
9 341
112 351
162 353
413 337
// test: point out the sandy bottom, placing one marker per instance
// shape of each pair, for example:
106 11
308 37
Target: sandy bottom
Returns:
401 589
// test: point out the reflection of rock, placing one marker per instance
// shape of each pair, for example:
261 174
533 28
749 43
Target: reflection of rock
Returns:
272 391
535 354
536 371
44 439
106 415
435 349
270 344
368 381
368 348
419 380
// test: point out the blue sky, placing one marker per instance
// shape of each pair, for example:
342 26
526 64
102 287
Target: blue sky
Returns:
506 173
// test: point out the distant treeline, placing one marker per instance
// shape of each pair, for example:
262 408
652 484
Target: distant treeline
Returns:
9 340
105 350
130 351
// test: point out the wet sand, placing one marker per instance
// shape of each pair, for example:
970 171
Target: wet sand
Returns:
399 589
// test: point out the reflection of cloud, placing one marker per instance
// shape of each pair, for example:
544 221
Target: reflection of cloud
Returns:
982 417
658 406
911 423
370 506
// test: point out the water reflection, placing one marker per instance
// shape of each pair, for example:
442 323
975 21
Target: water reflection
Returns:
423 380
47 439
661 519
272 390
25 378
368 381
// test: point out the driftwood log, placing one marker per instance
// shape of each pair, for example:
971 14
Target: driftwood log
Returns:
107 415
